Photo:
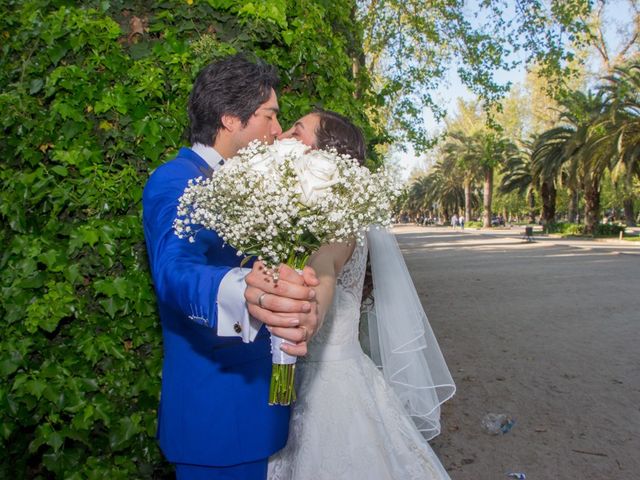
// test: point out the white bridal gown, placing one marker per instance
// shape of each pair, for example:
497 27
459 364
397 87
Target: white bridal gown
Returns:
347 422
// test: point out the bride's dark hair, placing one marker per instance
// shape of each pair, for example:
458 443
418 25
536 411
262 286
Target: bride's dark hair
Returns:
337 131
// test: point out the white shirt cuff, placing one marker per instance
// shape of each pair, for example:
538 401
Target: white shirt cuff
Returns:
233 317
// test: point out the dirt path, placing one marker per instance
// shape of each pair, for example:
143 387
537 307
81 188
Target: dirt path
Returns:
546 332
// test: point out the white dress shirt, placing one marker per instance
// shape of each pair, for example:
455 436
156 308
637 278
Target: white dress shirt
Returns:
233 317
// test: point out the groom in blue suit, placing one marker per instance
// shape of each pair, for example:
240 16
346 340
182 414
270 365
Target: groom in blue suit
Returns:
214 420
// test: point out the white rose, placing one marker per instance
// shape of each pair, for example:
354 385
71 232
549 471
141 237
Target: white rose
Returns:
262 163
317 172
288 146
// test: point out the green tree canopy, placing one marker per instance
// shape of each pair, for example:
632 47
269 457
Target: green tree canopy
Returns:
411 46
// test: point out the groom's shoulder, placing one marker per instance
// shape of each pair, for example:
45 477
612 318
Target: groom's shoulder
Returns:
182 166
185 159
172 177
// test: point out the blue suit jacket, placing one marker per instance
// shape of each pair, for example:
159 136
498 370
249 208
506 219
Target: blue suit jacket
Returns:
214 402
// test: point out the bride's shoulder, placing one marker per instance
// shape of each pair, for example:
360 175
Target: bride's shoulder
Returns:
334 254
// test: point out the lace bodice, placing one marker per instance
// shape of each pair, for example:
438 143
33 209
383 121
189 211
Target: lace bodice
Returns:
340 325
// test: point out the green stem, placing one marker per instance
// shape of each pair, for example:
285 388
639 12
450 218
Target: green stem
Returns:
281 389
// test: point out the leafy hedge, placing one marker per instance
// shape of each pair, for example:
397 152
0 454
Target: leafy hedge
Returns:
609 229
577 229
473 224
93 98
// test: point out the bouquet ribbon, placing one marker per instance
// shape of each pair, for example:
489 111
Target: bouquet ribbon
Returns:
278 357
283 369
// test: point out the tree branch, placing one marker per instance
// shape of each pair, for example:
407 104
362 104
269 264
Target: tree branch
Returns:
634 37
599 41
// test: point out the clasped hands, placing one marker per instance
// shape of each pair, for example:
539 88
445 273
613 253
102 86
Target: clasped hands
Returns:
287 306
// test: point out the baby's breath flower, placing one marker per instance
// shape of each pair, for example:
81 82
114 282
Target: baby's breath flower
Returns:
263 203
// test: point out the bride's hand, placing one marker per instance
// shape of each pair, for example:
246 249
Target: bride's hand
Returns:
288 307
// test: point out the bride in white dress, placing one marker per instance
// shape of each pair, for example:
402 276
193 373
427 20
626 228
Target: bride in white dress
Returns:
353 420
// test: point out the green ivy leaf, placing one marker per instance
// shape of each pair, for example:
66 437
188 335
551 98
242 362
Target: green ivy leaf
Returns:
287 36
7 367
35 387
57 52
60 170
72 273
47 311
6 429
90 236
110 307
55 440
126 428
36 86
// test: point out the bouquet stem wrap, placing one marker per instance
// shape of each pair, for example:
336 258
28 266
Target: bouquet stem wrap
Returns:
283 369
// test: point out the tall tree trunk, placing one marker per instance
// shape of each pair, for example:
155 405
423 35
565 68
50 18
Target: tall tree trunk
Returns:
532 205
573 204
487 197
467 200
591 205
551 213
548 197
629 216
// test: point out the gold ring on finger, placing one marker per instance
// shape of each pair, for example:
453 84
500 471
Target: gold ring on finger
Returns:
306 333
260 298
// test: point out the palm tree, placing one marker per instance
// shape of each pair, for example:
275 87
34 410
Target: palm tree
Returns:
440 186
594 153
517 175
478 155
460 153
577 145
493 150
622 130
416 200
444 189
548 157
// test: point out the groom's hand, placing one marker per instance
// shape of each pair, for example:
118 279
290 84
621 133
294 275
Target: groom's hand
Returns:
287 307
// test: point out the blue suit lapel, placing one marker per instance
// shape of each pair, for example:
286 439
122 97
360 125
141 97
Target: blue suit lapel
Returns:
200 163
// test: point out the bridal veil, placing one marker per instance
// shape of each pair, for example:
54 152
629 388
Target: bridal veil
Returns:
401 340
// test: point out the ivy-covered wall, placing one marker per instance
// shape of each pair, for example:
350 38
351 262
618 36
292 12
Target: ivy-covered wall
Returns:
92 98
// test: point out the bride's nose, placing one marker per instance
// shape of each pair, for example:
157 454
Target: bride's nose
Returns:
287 134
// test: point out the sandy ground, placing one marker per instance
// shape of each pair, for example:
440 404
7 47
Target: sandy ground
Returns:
547 332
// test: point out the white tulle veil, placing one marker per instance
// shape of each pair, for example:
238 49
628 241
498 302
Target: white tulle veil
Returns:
400 340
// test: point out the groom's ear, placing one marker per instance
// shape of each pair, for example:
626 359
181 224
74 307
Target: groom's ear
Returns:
231 123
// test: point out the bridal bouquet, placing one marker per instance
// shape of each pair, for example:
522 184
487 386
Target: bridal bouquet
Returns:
280 203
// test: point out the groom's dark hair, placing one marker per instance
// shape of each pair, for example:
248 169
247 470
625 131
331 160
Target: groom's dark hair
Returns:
232 86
